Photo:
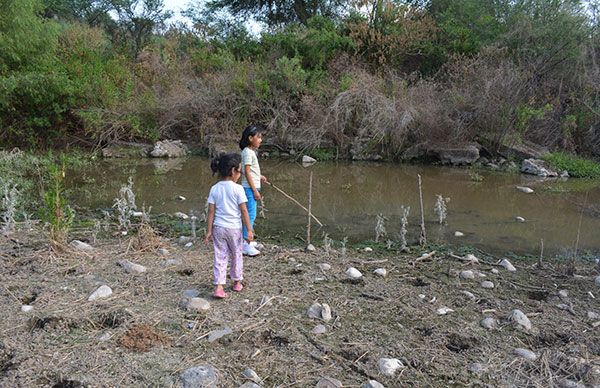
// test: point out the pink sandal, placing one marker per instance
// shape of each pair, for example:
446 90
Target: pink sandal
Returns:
220 294
237 287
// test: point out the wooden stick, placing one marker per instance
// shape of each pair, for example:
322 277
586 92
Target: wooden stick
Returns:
539 263
296 202
423 238
309 208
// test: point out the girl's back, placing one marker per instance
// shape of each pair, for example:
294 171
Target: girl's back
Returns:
227 197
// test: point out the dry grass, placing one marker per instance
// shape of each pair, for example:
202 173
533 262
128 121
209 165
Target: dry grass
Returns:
373 318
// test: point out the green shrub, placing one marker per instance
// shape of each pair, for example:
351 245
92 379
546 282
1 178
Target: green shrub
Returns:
576 166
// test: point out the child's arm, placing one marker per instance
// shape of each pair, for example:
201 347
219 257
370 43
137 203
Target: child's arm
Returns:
246 221
248 173
209 222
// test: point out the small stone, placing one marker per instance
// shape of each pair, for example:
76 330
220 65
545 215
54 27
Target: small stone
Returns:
389 366
310 248
308 160
328 382
520 219
251 375
368 249
563 294
130 267
197 304
163 251
181 215
489 323
137 214
188 245
597 281
184 239
487 284
124 233
459 234
444 310
103 291
520 319
191 293
26 308
199 376
325 312
507 265
353 273
468 274
324 267
80 245
593 315
472 258
525 353
217 334
250 384
319 329
181 198
104 336
526 190
476 368
314 311
422 296
372 384
469 295
495 271
380 272
173 262
566 383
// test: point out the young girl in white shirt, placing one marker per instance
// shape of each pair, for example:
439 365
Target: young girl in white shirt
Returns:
226 212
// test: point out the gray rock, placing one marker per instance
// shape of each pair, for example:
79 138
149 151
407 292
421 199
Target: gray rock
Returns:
487 284
389 366
454 155
522 150
469 295
489 323
217 334
519 219
593 315
251 375
495 271
310 248
104 337
368 249
168 149
202 376
80 245
444 310
468 274
563 294
476 368
525 353
196 304
380 272
519 319
459 234
537 167
192 293
163 251
130 267
182 216
507 265
249 384
26 308
524 189
566 383
326 312
319 329
372 384
324 267
328 382
126 150
103 291
308 160
173 262
353 273
314 311
597 280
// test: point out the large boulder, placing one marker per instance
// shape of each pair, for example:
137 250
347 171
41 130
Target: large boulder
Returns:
524 150
540 168
126 150
461 154
169 149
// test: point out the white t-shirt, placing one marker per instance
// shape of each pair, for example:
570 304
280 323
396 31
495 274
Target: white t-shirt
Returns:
249 158
227 196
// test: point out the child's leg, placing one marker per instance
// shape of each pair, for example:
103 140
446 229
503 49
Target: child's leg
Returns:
237 260
221 255
251 205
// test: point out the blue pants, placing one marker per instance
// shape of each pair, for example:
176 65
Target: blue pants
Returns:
251 205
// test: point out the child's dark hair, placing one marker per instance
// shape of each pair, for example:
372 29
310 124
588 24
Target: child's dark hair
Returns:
251 130
224 163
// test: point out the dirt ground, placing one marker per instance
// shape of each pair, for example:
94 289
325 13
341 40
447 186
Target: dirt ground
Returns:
141 336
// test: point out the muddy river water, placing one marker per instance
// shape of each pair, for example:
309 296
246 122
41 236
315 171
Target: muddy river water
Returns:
347 197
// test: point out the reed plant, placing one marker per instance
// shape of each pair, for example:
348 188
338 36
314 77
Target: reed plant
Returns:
56 211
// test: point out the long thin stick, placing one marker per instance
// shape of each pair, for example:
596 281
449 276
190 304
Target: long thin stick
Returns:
539 264
296 202
309 208
423 238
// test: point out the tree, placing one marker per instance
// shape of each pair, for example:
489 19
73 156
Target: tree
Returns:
280 12
92 12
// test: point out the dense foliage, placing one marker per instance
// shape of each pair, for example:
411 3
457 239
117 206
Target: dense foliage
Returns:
353 77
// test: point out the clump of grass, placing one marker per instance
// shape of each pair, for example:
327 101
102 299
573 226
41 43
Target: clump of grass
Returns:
440 208
10 199
404 211
576 166
125 205
56 212
380 230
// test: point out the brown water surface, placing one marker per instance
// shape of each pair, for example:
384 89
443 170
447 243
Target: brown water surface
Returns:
347 197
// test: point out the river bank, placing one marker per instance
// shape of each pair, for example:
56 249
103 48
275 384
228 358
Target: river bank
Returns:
427 312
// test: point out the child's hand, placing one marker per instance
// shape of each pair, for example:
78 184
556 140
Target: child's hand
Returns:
257 195
207 237
263 179
250 236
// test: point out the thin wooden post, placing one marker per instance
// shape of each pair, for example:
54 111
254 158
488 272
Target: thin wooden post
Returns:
423 238
309 208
